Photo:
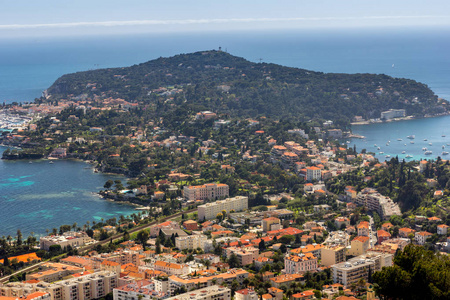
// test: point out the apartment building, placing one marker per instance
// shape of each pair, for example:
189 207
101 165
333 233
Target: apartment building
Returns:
374 201
271 223
154 231
191 242
363 228
314 249
209 211
208 191
87 287
32 296
214 292
138 290
313 173
171 268
51 272
245 255
176 282
359 245
421 237
301 263
352 270
246 294
70 238
332 254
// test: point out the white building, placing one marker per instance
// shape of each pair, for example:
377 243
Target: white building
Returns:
246 294
191 242
374 201
313 173
393 113
301 263
70 238
214 292
209 211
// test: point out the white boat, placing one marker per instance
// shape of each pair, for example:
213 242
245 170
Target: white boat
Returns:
443 147
428 152
381 152
408 156
412 142
388 156
399 140
405 144
411 137
444 153
348 142
378 148
375 145
443 135
431 144
425 140
387 144
424 149
403 152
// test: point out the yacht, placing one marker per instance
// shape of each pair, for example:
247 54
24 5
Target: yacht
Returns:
443 135
411 137
408 156
443 147
412 142
425 140
375 145
348 142
381 152
387 144
424 149
50 162
378 148
388 156
444 153
428 152
399 140
431 144
403 152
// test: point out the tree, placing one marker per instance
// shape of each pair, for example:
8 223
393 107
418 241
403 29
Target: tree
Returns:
108 184
142 237
262 245
233 261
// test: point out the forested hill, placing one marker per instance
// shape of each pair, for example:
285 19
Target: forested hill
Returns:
224 83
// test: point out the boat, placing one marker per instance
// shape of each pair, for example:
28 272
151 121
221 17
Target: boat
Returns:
431 144
348 142
388 156
424 149
428 152
378 148
412 142
443 135
403 152
425 140
408 156
448 144
30 162
405 144
411 137
399 140
375 145
387 144
50 162
444 153
443 147
381 152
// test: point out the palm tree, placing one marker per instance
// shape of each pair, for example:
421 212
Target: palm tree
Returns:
74 226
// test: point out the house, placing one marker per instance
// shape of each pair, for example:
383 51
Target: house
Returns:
387 226
359 245
442 229
190 225
246 294
383 235
363 228
339 221
405 232
309 294
421 237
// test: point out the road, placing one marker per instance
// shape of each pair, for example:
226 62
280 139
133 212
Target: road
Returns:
114 238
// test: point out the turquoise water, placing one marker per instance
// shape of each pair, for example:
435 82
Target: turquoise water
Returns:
29 66
430 129
39 196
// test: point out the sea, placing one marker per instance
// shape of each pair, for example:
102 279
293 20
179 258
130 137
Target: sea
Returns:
39 196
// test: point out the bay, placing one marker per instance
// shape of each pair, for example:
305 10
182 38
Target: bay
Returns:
434 131
38 196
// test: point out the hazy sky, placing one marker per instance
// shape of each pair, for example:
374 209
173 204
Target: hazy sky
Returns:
64 17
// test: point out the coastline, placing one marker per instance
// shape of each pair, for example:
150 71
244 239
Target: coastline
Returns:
407 118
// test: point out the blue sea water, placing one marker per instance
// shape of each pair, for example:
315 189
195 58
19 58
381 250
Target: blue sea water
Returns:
38 196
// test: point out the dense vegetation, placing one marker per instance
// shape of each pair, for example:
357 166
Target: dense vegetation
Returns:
221 82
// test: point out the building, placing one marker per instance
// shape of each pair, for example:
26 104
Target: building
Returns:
154 231
313 173
70 238
421 237
359 245
363 228
334 133
332 254
393 113
191 242
382 236
339 221
351 271
190 225
405 232
271 223
442 229
298 264
209 211
309 294
246 294
374 201
50 272
214 292
210 191
314 249
171 268
139 290
285 279
245 255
